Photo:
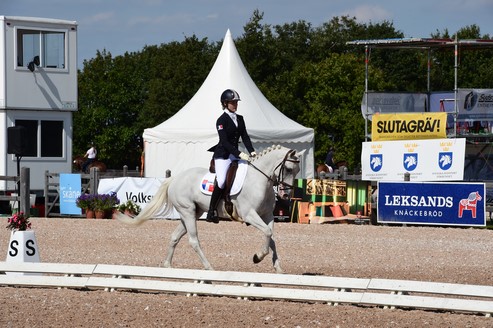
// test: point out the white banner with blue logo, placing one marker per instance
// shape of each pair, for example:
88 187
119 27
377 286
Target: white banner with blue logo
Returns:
424 160
70 190
461 204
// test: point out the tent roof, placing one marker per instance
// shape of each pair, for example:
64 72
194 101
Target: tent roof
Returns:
196 120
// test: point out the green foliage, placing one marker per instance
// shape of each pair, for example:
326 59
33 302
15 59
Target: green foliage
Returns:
333 91
129 206
309 73
120 97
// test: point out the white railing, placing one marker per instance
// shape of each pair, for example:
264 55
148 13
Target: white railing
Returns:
331 290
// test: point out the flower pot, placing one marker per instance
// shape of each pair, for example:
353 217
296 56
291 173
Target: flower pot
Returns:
129 213
89 213
100 214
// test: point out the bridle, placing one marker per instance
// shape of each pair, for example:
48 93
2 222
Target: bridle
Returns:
278 180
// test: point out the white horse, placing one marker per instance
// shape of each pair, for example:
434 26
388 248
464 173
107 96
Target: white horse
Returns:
253 205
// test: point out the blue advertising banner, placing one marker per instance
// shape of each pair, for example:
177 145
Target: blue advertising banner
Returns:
70 190
461 204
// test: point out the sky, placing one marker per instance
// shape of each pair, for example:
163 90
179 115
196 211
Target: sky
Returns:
118 26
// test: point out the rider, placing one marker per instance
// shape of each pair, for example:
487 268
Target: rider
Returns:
230 127
91 157
329 160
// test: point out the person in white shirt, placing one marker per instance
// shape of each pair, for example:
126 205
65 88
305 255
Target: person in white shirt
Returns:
91 157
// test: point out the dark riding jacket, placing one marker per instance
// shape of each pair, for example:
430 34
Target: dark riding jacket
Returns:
229 136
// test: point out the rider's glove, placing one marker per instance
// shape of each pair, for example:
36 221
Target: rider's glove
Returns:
253 154
244 156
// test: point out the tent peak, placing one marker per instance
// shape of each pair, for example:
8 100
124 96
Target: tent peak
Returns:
228 34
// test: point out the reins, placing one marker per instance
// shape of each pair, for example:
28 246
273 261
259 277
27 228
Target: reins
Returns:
278 180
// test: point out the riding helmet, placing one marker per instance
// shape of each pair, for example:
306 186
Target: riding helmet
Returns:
229 95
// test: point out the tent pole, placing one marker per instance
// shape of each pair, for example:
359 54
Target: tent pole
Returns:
456 91
366 92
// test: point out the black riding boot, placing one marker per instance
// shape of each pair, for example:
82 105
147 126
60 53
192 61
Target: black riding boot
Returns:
215 198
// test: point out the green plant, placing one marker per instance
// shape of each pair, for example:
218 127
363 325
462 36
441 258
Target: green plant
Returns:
103 202
129 206
19 222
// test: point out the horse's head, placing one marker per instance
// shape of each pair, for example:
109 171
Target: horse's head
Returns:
78 161
279 164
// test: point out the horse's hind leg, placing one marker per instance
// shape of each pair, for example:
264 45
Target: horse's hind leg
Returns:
179 232
193 239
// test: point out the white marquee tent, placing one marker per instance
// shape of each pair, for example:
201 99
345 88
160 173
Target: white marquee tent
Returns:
182 141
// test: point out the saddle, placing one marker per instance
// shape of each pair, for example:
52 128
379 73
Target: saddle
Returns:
230 178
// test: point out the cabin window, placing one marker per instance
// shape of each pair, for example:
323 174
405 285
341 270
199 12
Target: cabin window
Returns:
43 48
50 135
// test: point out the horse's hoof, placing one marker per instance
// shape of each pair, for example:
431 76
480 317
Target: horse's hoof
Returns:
256 259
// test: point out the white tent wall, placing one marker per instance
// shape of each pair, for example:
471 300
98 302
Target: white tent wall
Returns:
180 156
182 141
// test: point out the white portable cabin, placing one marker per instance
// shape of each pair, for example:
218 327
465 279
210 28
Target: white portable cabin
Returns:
38 90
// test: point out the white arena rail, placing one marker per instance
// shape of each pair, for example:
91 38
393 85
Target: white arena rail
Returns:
309 288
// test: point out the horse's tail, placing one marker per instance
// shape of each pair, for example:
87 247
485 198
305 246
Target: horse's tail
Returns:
158 201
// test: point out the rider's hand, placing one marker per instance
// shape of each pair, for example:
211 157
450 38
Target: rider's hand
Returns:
253 154
244 156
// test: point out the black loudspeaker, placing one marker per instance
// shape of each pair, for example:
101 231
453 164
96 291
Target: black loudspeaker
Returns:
16 138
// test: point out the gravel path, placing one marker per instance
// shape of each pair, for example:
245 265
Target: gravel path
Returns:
455 255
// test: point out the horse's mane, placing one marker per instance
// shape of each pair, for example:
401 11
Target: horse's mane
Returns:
265 152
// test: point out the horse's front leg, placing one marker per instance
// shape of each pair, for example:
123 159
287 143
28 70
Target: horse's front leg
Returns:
179 232
276 263
255 220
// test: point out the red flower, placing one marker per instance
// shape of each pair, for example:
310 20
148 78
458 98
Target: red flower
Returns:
18 222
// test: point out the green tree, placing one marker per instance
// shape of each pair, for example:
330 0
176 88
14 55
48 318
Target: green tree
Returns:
333 91
176 71
121 96
110 97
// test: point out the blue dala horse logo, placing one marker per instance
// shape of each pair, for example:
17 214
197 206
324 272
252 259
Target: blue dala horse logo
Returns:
410 161
445 160
376 161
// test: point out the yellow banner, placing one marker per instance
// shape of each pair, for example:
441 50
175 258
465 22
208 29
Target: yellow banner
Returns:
405 126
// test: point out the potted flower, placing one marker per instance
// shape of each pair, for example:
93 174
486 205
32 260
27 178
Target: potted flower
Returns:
19 222
86 202
104 204
129 208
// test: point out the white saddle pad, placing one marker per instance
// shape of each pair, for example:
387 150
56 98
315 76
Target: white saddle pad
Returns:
207 182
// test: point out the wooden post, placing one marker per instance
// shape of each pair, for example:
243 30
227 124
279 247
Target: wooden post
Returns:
344 173
125 170
47 180
94 180
25 191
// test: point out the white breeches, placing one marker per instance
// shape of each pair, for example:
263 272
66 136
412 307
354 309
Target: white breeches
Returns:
222 166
